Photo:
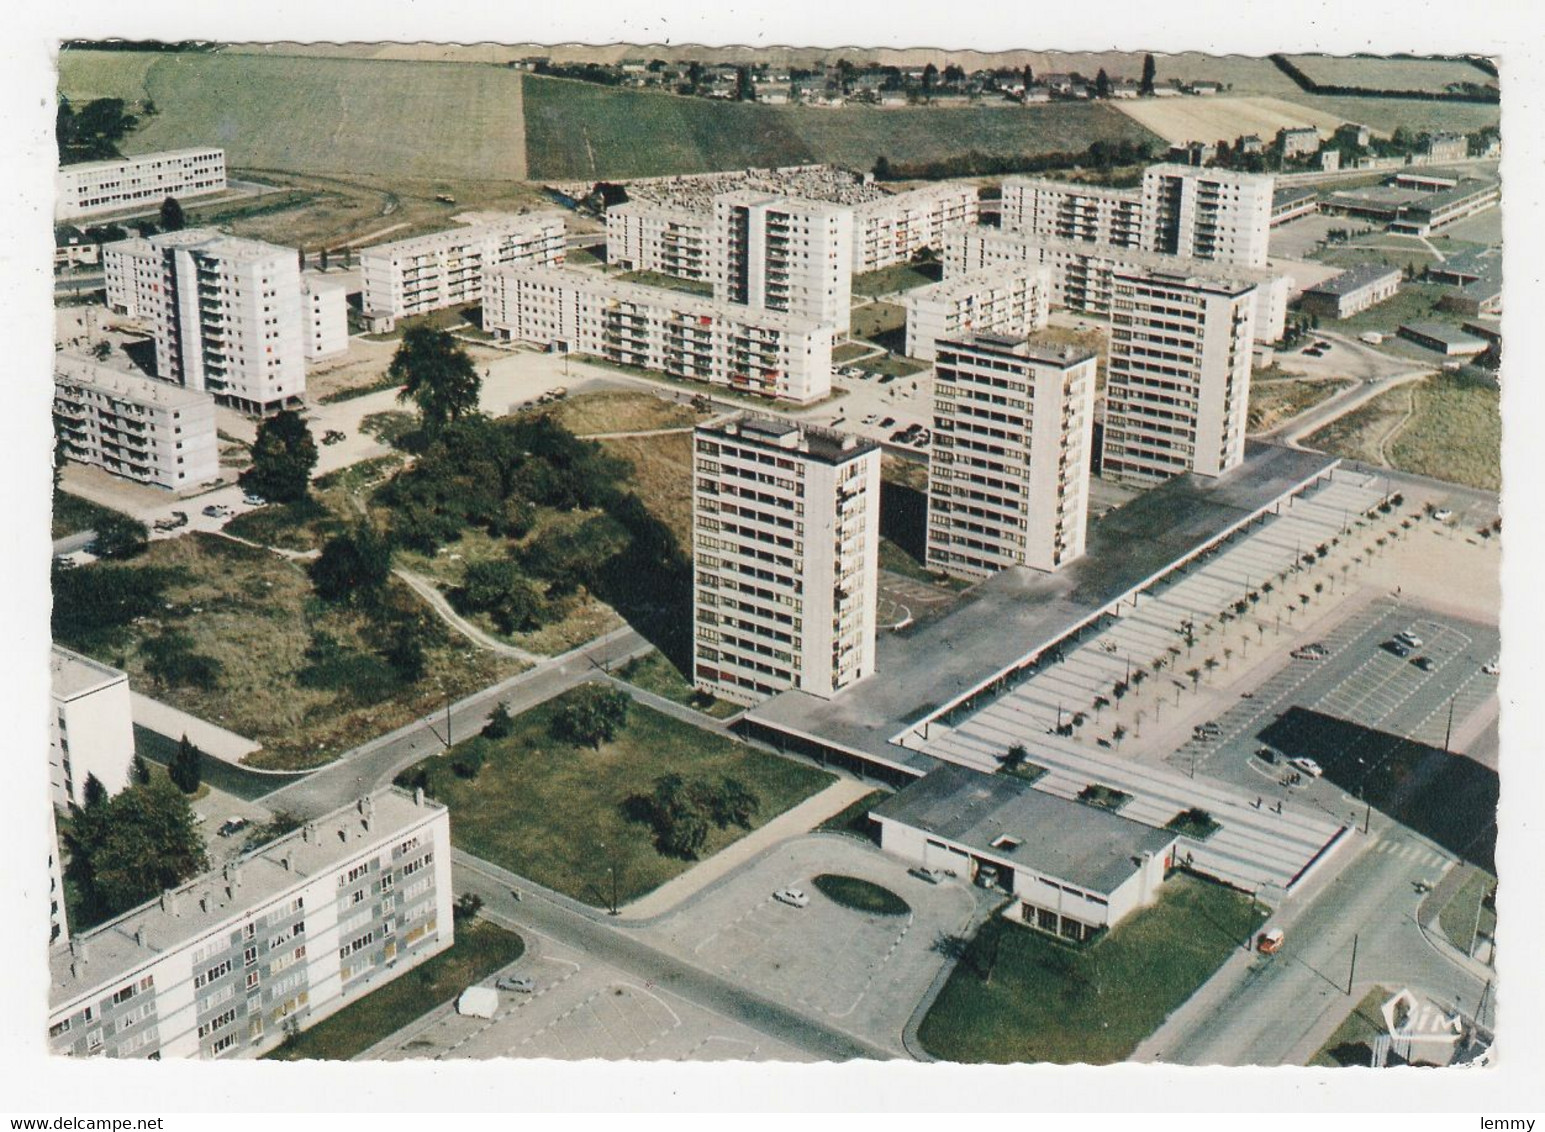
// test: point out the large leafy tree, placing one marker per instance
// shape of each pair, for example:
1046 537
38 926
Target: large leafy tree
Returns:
591 715
172 219
283 456
1146 86
186 769
126 849
437 375
119 536
498 588
353 567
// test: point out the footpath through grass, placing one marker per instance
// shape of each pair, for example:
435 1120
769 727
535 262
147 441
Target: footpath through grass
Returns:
1018 995
654 673
565 815
480 949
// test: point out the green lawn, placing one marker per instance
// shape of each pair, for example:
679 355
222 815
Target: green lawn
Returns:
1352 1043
898 277
1415 302
850 350
1458 917
480 949
1018 995
893 365
72 514
1273 403
654 673
860 895
873 319
560 815
1455 433
854 818
699 287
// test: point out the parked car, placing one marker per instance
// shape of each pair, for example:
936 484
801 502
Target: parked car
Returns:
520 984
1398 648
1207 730
1442 514
1423 662
929 875
1409 639
1492 669
1267 754
232 826
333 436
1270 942
253 500
1307 765
794 897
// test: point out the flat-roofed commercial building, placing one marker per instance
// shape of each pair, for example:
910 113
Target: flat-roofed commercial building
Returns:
1083 275
1177 387
1012 300
1352 291
750 350
895 228
94 187
643 235
444 269
1290 204
324 301
786 529
90 727
229 963
149 431
1008 478
1207 214
1443 338
778 253
1072 870
1060 210
1424 216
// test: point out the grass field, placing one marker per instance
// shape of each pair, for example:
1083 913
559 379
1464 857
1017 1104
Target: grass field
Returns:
872 319
1187 119
662 478
480 949
557 814
1273 403
621 411
318 115
1428 75
578 131
1352 1043
854 818
654 673
256 614
1455 433
72 514
898 277
1465 912
1361 434
1414 302
1382 115
1020 996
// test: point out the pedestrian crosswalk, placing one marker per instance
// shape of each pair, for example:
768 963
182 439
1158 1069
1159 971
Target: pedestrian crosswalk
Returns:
1410 851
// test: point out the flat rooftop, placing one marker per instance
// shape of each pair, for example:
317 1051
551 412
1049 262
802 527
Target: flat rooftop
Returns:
1060 356
1442 332
74 675
1019 612
1135 258
1354 279
1281 197
135 387
141 159
487 224
136 937
972 282
1084 845
826 445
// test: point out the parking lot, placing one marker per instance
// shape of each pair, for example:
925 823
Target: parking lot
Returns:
858 972
582 1008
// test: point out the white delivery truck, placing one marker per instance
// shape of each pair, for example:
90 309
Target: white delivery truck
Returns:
478 1002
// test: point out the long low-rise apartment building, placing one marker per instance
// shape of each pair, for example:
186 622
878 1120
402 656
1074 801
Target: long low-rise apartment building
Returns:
1061 210
748 349
643 235
895 228
1352 291
147 179
1083 274
1010 301
443 269
149 431
229 963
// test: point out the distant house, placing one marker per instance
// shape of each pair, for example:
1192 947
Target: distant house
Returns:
1124 88
773 94
1205 86
1298 141
1330 160
1250 144
633 66
1193 153
1057 83
1350 133
1037 94
1447 147
893 98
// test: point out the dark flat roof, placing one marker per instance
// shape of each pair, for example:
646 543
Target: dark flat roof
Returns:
1354 279
1018 612
1442 332
1083 845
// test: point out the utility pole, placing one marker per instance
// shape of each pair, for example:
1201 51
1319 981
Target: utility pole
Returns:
447 720
1448 732
1352 970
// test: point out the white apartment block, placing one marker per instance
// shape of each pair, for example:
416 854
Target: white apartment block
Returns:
686 336
324 302
443 269
58 915
895 228
149 431
226 313
90 728
781 254
1008 478
1207 214
1012 300
147 179
1083 275
1061 210
282 937
642 235
786 530
1177 386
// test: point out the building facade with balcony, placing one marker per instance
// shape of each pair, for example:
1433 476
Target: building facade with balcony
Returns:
752 351
1207 214
94 187
90 727
1008 477
786 529
445 269
1177 386
643 235
1061 210
778 253
285 935
1011 300
145 430
893 229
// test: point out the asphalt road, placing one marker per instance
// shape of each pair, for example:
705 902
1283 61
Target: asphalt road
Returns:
560 919
376 763
1278 1010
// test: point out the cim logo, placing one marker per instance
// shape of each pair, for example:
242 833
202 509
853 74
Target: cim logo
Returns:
1408 1020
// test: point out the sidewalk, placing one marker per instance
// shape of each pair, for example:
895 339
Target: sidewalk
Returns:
801 819
173 723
